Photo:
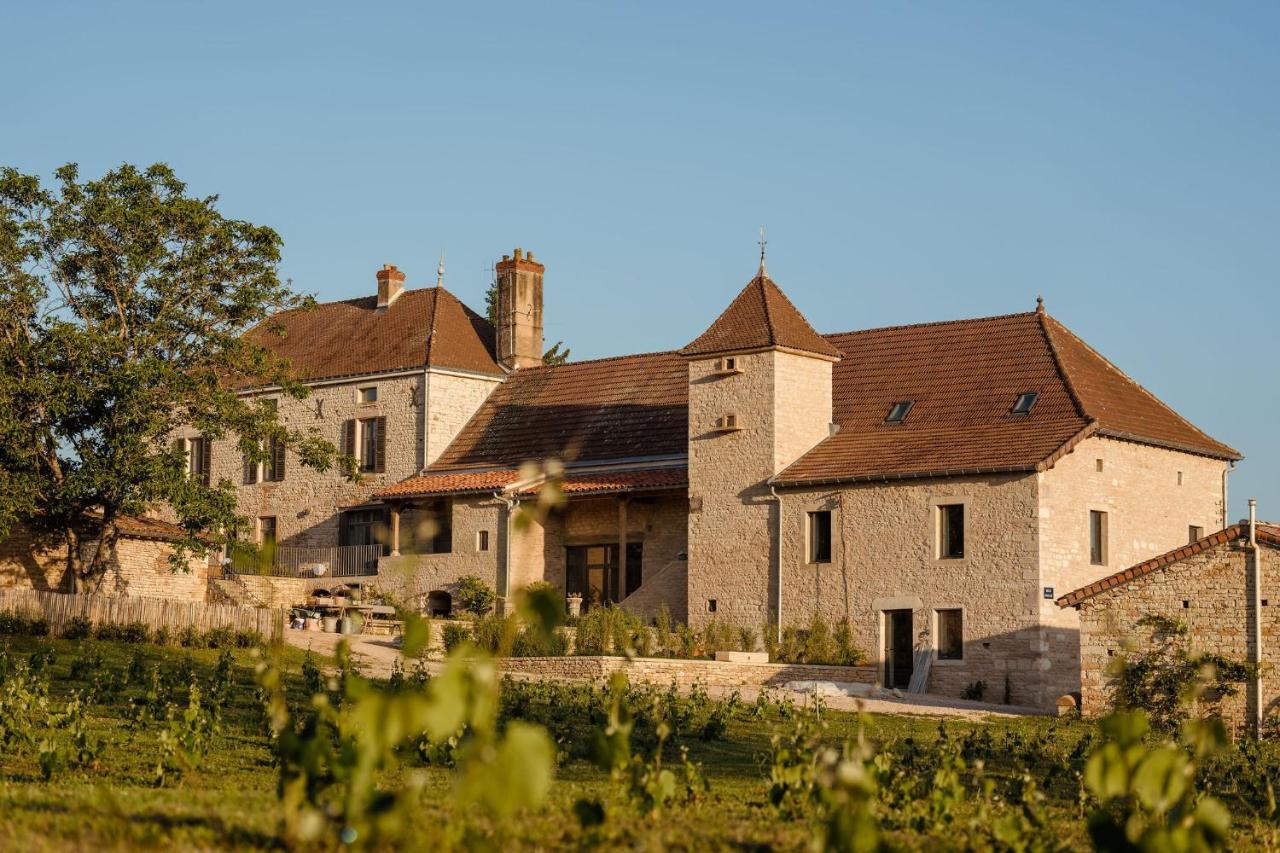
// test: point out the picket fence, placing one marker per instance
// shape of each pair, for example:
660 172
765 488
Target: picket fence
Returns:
58 608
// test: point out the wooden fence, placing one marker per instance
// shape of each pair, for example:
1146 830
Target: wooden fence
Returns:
295 561
59 608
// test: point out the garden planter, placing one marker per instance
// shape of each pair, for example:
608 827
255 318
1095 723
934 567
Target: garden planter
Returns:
330 624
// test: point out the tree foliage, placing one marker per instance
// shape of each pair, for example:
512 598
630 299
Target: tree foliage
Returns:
123 307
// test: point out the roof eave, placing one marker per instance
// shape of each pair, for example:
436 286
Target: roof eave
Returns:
1227 454
909 475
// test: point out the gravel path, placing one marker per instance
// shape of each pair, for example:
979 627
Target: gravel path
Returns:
375 655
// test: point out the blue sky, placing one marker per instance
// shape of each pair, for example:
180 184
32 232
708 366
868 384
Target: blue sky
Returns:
911 162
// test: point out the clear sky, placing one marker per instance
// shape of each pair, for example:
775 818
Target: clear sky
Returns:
911 162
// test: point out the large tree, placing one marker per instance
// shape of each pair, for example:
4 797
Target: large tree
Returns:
123 307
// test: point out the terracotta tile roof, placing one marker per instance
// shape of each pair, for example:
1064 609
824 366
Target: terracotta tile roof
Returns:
621 481
604 410
139 527
963 377
1267 534
1121 406
449 484
759 317
427 326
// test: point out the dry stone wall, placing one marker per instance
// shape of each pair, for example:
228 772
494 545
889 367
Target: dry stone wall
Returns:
665 671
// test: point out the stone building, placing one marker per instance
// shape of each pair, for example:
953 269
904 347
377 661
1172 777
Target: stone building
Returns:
1217 587
140 566
935 484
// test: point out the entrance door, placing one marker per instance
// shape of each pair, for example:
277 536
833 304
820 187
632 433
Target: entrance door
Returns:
592 572
898 650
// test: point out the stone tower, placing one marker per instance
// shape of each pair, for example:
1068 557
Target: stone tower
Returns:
519 311
759 397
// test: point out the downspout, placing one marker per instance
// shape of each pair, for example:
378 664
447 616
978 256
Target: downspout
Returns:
1231 466
777 533
510 504
1257 614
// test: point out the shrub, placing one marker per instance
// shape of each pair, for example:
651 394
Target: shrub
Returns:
662 627
248 639
189 637
128 632
594 632
535 644
847 654
219 638
747 639
769 635
161 636
475 596
454 635
77 628
818 646
489 632
23 624
975 691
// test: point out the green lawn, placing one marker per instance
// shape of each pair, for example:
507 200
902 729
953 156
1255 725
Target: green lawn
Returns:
230 800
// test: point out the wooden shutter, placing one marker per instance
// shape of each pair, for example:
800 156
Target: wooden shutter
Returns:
207 448
381 449
349 438
278 449
250 470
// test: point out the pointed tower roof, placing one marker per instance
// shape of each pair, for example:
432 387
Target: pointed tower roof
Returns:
761 317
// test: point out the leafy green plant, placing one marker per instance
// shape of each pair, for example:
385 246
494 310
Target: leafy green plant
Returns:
129 632
185 740
453 635
475 596
974 691
77 628
662 631
1169 682
23 624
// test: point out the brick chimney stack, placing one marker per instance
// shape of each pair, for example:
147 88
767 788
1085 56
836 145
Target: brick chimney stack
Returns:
519 311
390 285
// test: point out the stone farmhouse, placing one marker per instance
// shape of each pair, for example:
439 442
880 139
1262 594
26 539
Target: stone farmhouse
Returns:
939 484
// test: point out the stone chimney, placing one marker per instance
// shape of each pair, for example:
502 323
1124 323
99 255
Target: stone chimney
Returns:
390 285
519 311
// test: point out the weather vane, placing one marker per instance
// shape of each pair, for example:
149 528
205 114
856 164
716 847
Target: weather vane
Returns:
763 243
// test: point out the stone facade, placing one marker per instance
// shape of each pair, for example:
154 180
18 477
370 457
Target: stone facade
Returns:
1211 593
141 568
306 503
1152 498
663 671
782 406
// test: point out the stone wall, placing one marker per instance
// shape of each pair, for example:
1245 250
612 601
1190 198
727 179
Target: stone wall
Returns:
1150 495
141 568
664 671
884 556
452 398
410 576
1211 593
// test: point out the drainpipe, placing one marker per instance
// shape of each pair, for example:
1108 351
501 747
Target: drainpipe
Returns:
510 504
1257 612
777 533
1231 466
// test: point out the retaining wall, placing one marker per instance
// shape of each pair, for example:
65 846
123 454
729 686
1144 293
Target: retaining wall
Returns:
663 671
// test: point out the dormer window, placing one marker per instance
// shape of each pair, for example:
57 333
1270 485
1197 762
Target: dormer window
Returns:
899 412
1022 406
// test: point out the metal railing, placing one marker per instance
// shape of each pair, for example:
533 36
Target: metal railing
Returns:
292 561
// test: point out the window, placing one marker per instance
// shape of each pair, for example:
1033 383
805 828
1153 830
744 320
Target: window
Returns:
1179 478
1097 537
1194 533
820 536
711 605
899 412
950 634
273 466
266 530
369 395
592 571
1022 405
366 440
482 540
199 457
363 527
432 530
1099 464
951 531
730 364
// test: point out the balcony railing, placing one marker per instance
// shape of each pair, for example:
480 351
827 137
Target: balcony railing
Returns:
291 561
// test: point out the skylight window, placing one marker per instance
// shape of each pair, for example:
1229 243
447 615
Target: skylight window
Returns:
898 413
1023 404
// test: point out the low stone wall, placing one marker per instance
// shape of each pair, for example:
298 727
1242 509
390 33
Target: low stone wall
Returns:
663 671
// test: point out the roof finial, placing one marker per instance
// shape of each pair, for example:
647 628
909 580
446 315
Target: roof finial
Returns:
1039 304
763 242
440 270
